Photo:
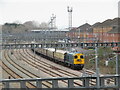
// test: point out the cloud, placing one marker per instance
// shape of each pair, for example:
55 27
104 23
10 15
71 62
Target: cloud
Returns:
41 10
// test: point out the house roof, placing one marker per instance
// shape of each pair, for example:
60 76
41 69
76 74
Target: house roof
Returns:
85 28
115 29
108 22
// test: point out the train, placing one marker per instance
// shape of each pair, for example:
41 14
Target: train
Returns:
74 60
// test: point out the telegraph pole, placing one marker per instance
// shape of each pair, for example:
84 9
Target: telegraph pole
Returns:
118 50
97 69
1 51
117 63
118 66
118 53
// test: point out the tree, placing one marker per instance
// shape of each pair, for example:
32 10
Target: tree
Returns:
44 25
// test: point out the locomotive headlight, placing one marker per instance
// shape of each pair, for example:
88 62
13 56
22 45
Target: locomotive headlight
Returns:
81 56
75 56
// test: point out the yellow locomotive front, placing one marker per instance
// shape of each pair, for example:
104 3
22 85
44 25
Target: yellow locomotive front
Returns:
78 61
78 58
75 60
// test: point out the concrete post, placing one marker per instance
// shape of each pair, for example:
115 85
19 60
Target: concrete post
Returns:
23 84
54 84
39 84
70 83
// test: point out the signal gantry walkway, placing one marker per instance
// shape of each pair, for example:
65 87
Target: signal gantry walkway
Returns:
58 45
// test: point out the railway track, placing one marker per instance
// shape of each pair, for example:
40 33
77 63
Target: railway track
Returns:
8 68
67 72
72 72
43 68
88 72
28 64
51 65
31 70
65 69
20 71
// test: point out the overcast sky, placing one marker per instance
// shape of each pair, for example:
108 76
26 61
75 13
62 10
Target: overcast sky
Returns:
90 11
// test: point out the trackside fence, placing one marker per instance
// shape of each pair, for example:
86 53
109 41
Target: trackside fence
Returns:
108 81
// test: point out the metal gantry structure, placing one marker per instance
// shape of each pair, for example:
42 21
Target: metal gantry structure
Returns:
58 45
52 22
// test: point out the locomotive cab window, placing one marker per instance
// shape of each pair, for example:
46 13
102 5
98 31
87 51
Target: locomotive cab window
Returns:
81 56
75 56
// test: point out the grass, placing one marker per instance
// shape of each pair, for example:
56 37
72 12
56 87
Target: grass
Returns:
103 55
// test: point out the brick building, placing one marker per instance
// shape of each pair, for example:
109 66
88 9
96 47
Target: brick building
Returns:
106 31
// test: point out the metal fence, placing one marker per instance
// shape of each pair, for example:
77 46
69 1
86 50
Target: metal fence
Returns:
105 82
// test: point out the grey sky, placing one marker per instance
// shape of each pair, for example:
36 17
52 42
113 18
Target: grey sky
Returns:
90 11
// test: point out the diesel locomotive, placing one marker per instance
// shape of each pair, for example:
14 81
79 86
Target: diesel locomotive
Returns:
74 60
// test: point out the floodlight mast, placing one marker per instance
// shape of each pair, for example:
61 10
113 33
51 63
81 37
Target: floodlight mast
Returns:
70 10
